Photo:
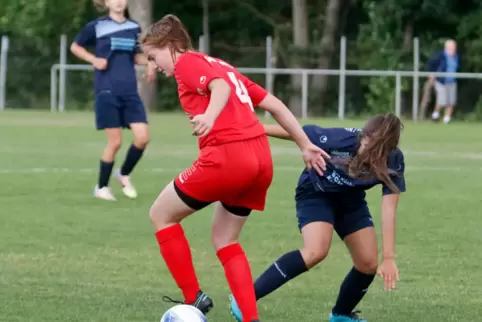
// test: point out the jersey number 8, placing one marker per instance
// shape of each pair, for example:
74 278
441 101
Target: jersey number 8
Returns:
241 91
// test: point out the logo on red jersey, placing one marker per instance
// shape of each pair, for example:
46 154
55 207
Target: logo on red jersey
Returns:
202 80
187 173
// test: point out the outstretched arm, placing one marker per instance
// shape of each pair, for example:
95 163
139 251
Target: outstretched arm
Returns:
291 129
388 269
289 124
276 131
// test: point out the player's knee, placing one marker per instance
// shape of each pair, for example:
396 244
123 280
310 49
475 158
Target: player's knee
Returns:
141 141
114 144
366 264
314 255
219 242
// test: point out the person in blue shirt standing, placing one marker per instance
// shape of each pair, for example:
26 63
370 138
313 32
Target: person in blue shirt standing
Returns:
117 101
446 61
359 160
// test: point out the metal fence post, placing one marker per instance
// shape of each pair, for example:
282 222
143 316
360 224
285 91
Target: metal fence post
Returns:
62 72
268 74
304 94
53 88
416 86
202 47
398 94
3 71
342 79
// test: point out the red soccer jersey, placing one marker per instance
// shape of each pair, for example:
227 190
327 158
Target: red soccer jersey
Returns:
237 121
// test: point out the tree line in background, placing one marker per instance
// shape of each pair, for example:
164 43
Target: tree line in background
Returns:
305 34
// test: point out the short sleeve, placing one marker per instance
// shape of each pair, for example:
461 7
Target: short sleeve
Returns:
86 37
255 92
195 72
396 164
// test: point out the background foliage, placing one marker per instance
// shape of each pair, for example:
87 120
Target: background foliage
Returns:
379 36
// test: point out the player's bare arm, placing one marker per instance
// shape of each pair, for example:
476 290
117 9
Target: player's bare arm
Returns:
85 55
276 131
220 92
388 269
312 155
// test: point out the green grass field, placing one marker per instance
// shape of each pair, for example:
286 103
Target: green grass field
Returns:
65 256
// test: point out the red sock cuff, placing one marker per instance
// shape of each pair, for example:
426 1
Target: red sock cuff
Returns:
229 252
170 232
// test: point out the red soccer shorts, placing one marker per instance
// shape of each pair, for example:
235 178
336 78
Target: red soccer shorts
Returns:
236 173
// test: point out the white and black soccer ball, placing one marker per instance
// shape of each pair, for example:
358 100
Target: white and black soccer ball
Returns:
183 313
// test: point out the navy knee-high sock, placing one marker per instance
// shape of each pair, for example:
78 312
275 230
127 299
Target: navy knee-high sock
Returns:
284 269
354 287
105 170
133 156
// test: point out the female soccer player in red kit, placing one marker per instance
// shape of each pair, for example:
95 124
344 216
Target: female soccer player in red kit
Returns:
234 167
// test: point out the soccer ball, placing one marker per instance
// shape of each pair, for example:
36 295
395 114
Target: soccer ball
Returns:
183 313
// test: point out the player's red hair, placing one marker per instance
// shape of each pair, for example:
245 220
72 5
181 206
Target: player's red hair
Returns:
169 31
383 135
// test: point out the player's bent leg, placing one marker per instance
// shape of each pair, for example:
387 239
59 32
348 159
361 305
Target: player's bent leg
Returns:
140 132
363 248
166 213
317 240
228 222
114 141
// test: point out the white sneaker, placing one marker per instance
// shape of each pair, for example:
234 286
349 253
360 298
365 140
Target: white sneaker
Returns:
447 119
103 193
435 115
127 187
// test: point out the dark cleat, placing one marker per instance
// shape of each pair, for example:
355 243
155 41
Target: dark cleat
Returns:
203 302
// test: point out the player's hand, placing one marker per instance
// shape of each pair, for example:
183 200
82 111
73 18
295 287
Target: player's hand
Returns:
389 272
314 158
202 125
100 63
151 72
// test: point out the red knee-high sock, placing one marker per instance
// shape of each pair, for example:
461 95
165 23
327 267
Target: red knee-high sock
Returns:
238 274
177 255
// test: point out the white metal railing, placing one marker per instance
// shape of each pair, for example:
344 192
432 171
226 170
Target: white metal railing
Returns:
58 76
305 73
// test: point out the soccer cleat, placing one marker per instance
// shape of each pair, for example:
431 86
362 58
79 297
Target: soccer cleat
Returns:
103 193
446 119
203 302
127 187
234 308
353 317
435 116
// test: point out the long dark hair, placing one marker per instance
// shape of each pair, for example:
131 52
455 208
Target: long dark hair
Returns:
381 135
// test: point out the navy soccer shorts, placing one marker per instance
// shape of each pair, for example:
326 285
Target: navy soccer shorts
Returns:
118 111
347 212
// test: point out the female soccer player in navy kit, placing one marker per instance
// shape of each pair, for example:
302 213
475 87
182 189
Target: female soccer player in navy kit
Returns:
360 159
234 167
117 101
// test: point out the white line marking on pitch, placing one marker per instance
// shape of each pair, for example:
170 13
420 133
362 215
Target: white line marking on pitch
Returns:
172 170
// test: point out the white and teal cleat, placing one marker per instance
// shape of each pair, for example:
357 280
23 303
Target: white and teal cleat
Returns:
235 311
353 317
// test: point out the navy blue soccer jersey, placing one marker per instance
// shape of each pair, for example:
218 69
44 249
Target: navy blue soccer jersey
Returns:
342 144
116 42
